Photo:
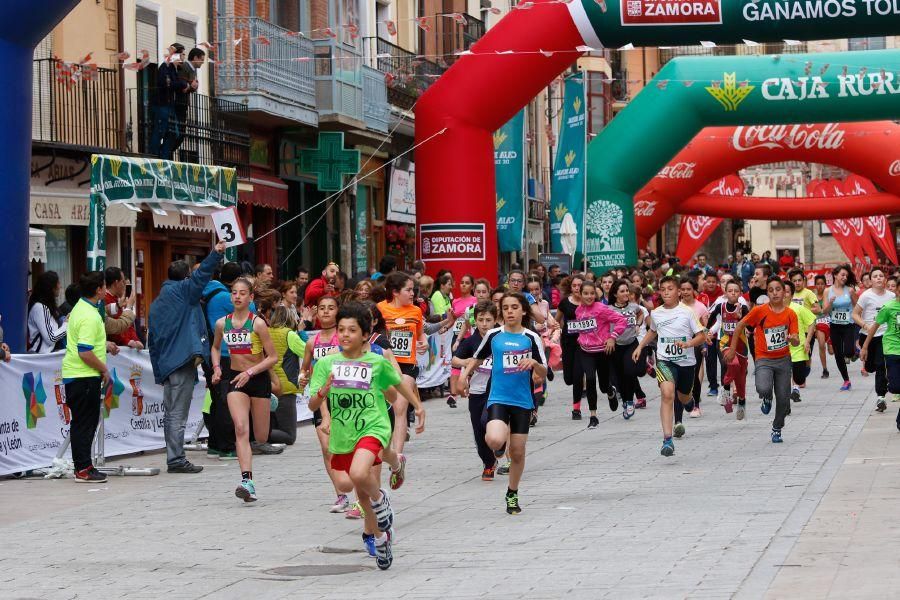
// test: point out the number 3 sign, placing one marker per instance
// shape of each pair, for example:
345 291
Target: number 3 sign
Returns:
228 227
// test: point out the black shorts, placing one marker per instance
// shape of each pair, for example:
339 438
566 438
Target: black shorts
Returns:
259 386
681 375
408 369
518 418
317 417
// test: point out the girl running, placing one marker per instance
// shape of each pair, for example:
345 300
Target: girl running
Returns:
459 307
568 341
689 291
354 381
823 323
598 326
723 320
626 370
517 358
840 299
640 398
249 386
864 313
482 291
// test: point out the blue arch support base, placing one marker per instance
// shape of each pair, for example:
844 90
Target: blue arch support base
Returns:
22 26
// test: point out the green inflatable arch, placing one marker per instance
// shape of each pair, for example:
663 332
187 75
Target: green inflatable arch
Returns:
691 93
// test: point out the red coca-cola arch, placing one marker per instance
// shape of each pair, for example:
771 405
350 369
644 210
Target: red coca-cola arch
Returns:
869 149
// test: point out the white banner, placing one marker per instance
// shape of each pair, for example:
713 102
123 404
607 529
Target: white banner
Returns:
34 419
434 365
402 195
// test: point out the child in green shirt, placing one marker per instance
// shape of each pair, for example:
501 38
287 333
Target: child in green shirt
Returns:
889 315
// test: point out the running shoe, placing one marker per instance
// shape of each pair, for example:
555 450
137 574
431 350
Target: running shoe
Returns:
369 542
512 503
727 401
628 411
881 405
593 423
721 394
210 453
384 514
341 504
576 415
668 447
228 456
90 475
640 403
451 401
824 373
795 394
846 387
488 473
533 420
679 430
384 557
613 397
504 468
696 414
776 436
355 511
246 491
264 448
399 476
741 411
766 406
713 392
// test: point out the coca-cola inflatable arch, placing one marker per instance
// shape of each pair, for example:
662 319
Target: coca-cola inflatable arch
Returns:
538 40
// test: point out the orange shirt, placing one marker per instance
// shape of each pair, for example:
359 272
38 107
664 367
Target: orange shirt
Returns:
404 328
771 330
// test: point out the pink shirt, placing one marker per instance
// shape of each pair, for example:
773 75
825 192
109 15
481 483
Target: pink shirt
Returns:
596 324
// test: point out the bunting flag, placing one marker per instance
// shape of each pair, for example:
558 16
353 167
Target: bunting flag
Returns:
839 228
864 244
877 225
695 230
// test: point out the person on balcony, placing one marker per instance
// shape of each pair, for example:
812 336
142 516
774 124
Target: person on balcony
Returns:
187 86
165 123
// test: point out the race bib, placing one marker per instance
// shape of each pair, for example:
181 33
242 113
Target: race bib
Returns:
797 301
583 326
237 338
401 343
729 326
354 375
512 358
632 319
823 320
776 338
486 365
458 325
323 351
667 349
840 317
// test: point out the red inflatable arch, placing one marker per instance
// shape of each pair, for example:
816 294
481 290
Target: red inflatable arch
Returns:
871 150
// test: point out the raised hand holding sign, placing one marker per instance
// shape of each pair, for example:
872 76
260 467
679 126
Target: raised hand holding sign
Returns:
228 227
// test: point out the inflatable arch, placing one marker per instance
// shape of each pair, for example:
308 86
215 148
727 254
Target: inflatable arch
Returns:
528 48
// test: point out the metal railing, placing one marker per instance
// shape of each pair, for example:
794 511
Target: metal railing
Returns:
214 130
376 111
268 59
410 76
473 31
75 107
667 54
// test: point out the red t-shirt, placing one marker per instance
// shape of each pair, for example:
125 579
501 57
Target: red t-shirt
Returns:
115 311
771 330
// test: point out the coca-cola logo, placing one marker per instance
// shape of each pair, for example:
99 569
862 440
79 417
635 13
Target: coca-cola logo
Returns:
695 226
857 224
829 136
894 169
839 226
878 224
679 170
728 187
644 208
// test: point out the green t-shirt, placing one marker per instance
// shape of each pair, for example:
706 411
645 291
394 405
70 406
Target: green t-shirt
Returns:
86 331
356 399
888 315
805 318
440 303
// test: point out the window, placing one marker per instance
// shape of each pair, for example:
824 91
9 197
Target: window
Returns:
186 34
382 14
867 43
347 13
146 31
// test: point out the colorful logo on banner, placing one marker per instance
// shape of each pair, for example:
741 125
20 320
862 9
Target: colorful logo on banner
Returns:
567 185
671 12
729 93
35 397
137 395
509 164
452 241
828 136
111 395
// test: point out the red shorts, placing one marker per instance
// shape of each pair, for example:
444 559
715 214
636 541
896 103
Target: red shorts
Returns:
342 462
824 328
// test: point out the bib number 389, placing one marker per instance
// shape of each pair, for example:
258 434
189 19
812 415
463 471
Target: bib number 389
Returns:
401 343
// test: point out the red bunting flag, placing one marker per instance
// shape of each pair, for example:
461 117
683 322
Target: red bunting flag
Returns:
391 28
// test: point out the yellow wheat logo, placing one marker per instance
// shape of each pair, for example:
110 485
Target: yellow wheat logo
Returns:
142 165
196 169
499 138
577 105
115 164
178 167
500 203
569 158
229 175
560 211
94 159
730 95
161 167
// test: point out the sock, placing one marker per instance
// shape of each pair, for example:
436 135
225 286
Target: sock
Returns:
378 502
667 438
248 475
511 492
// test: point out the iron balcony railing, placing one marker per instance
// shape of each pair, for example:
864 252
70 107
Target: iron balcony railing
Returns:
667 54
76 107
408 75
214 131
472 31
268 59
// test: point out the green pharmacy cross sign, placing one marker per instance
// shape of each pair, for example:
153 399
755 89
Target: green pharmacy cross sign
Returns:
330 161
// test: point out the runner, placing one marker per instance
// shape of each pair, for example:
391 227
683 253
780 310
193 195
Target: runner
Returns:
688 289
676 329
459 307
889 317
724 317
640 398
485 318
710 294
626 371
606 283
775 326
806 328
517 358
568 341
249 383
839 302
823 323
544 330
482 291
598 327
354 381
864 313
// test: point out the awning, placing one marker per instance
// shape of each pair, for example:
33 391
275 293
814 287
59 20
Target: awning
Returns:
174 219
268 191
71 208
37 245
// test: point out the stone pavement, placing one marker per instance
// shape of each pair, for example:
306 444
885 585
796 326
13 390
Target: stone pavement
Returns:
605 516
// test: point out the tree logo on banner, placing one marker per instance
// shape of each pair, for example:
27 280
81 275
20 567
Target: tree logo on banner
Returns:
731 94
35 396
604 219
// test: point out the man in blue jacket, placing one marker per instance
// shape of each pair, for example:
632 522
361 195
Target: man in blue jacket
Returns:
178 342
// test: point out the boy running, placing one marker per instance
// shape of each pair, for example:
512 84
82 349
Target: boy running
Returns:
888 317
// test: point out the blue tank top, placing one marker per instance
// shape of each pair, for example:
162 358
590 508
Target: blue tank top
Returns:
841 308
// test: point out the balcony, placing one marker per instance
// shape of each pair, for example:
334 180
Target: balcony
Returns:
270 71
667 54
472 31
347 91
537 210
83 112
410 76
215 131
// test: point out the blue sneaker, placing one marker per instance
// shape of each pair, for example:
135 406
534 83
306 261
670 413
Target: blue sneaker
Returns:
776 436
369 541
713 392
246 491
766 406
668 447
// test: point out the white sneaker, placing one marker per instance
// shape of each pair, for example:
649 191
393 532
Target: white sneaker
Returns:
696 412
342 504
722 393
